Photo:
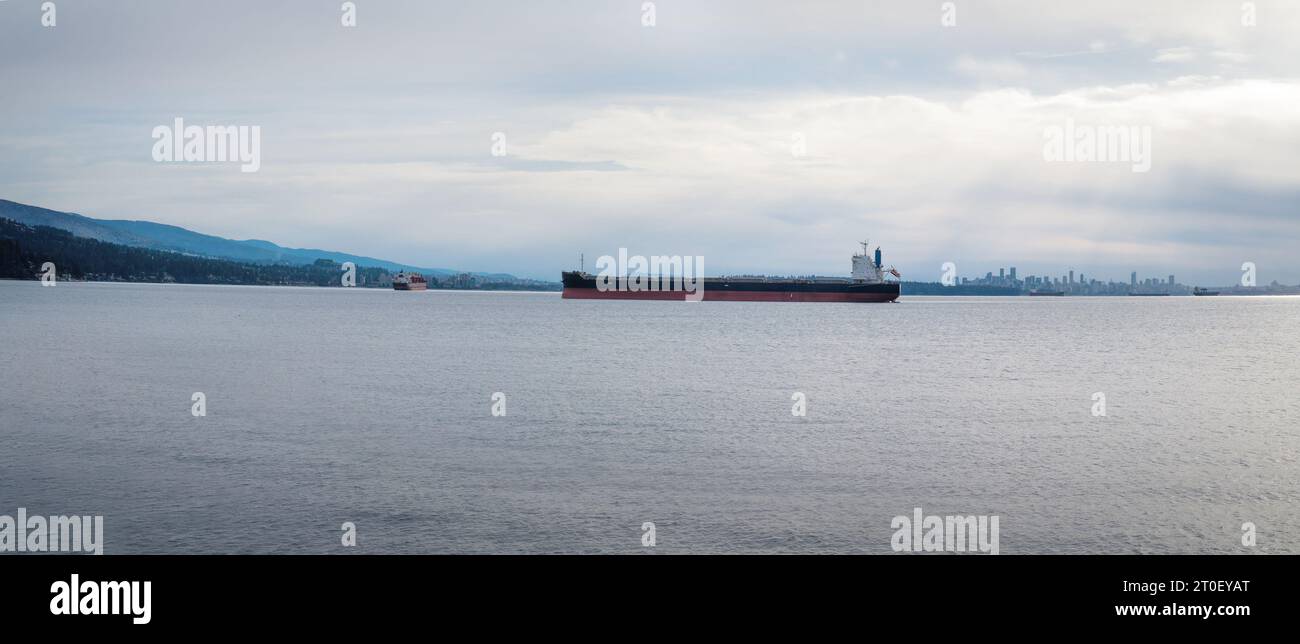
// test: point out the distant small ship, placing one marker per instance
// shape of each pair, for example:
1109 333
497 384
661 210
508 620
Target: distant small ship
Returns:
1046 292
866 283
1203 291
404 281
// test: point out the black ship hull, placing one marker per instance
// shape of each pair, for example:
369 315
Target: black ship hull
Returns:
584 286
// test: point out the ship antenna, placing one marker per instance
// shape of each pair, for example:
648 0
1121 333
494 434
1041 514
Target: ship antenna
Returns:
582 263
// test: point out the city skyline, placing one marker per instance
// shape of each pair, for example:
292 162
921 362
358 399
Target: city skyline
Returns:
1007 276
1085 284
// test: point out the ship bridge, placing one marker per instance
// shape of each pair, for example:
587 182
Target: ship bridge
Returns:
866 268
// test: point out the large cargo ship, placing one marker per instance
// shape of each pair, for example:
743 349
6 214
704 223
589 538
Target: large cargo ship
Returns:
866 283
404 281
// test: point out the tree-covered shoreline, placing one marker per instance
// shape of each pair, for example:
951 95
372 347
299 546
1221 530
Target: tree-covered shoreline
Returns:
25 249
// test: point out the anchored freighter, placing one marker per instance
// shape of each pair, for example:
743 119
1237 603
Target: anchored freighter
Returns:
866 283
404 281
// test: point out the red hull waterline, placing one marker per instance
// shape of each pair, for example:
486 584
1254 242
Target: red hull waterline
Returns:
726 296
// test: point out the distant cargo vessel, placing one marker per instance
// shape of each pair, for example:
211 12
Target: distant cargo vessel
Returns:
1049 293
866 283
1202 291
404 281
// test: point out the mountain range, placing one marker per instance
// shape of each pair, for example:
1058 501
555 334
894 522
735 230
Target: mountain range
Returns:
164 237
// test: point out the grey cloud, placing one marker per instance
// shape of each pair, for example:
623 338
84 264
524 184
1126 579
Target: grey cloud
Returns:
392 119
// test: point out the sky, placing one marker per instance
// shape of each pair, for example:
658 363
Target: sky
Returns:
767 137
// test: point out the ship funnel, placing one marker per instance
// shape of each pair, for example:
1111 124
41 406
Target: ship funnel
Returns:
878 264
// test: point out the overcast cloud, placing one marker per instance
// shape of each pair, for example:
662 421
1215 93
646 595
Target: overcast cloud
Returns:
678 138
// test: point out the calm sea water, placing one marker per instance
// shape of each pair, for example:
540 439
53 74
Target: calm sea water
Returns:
326 406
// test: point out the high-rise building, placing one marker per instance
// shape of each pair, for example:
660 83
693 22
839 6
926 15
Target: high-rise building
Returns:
1013 272
1133 278
1071 276
1171 280
1002 273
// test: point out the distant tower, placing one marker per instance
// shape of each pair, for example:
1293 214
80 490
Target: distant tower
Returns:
1133 278
1171 280
1013 273
1071 276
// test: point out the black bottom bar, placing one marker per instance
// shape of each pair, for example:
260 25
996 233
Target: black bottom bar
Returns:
939 592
